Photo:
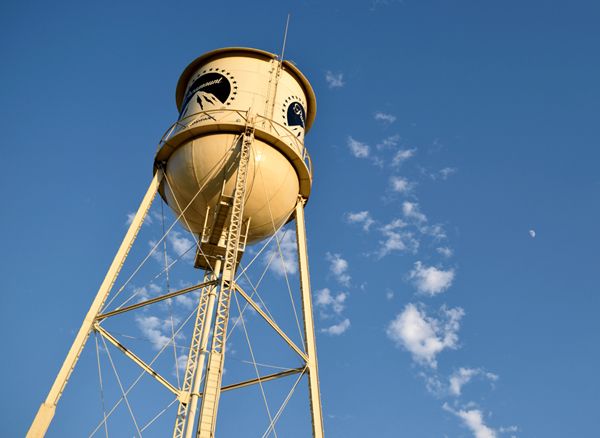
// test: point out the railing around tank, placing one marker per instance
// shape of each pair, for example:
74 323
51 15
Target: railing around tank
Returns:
229 116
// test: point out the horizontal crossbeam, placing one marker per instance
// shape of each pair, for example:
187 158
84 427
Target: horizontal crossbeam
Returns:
272 323
263 379
155 300
110 338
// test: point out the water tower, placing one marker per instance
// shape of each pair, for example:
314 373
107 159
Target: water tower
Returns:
234 170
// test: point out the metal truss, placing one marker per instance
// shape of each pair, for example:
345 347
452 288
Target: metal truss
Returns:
214 373
212 316
188 399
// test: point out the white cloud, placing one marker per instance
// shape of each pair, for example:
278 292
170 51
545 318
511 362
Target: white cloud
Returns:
339 268
394 239
397 241
152 327
394 225
509 429
384 117
442 387
157 216
473 419
411 211
337 329
362 217
442 174
188 300
430 280
130 216
181 245
446 172
377 161
141 293
389 142
325 300
436 231
159 253
389 294
181 362
460 378
424 336
357 148
532 233
445 251
400 184
433 384
491 376
402 155
287 261
334 80
239 319
145 292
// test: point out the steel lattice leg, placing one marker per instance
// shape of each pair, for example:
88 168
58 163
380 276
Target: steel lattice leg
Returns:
186 411
309 326
214 374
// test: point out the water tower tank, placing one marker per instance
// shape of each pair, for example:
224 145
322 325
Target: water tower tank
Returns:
215 96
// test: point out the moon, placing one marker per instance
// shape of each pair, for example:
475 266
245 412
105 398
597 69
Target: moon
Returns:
532 233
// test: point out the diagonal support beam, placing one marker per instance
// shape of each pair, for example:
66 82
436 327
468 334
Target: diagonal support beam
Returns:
155 300
44 416
272 323
110 338
263 379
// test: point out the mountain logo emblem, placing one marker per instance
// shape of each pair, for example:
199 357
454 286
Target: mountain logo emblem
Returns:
296 116
293 113
208 90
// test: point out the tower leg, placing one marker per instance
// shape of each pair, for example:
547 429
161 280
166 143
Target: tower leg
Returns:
214 372
45 414
186 413
309 327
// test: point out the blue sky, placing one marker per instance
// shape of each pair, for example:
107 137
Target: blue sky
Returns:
452 227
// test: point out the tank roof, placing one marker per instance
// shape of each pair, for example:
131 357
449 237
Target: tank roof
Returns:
249 52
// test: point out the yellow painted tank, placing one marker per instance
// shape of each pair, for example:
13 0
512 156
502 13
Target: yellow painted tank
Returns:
215 96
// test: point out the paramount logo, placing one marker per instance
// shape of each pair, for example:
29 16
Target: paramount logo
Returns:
209 89
209 83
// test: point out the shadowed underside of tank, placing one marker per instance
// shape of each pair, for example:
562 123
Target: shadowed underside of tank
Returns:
205 167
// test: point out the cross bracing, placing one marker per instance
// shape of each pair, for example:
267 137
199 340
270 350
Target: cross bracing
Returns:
200 381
